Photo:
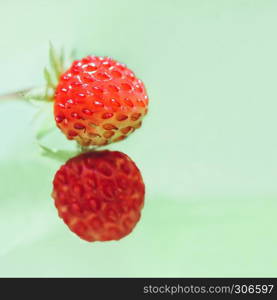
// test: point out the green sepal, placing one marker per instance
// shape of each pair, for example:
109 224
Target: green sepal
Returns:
45 127
59 155
55 61
58 63
39 94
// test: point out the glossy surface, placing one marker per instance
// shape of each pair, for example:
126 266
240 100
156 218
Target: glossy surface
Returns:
99 101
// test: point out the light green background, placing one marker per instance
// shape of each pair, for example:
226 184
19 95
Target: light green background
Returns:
207 149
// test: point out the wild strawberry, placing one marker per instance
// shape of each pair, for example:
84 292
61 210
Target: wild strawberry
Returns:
99 101
99 195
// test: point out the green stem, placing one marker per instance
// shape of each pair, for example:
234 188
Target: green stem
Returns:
14 95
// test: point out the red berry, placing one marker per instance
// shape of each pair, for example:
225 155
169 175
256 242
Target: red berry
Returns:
99 195
97 99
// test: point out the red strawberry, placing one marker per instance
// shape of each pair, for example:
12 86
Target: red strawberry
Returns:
99 101
99 195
